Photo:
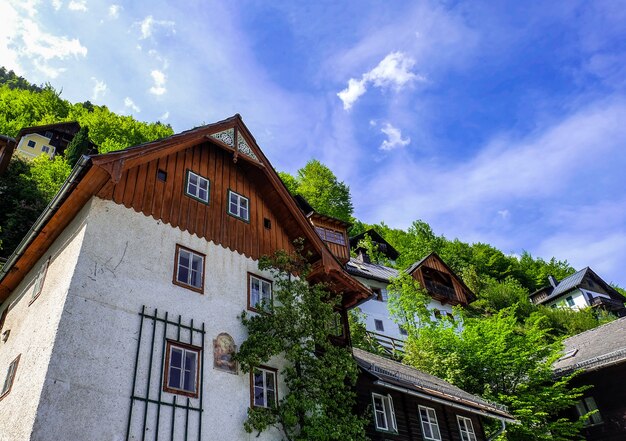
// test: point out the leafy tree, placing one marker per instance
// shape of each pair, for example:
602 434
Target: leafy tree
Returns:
319 375
320 187
77 146
49 174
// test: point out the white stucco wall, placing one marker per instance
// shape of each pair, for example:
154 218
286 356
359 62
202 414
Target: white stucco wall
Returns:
127 261
577 297
33 331
376 310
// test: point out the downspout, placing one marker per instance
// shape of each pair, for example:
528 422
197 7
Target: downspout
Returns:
43 219
499 432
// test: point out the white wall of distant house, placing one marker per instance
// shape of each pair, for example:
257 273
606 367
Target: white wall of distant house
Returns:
578 298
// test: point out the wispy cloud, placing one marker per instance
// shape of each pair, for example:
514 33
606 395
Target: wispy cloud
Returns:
99 89
159 83
77 5
57 4
114 11
394 71
130 104
148 26
394 138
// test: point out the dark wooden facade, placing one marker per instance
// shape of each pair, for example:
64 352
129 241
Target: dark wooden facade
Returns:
407 414
337 241
441 282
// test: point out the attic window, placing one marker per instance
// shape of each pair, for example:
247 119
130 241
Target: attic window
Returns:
32 143
162 175
332 236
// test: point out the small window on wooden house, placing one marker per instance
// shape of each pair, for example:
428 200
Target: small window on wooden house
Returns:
162 175
38 285
10 376
587 405
189 269
267 223
384 415
238 206
263 391
379 325
259 293
430 426
182 369
330 235
466 428
197 187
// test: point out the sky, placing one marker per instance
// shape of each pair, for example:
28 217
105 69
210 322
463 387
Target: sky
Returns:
496 122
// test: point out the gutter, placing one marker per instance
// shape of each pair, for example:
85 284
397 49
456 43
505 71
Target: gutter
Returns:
70 183
444 402
499 432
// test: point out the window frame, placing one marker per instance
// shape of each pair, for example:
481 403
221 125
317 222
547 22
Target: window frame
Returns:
39 281
170 344
382 325
331 235
594 419
252 307
175 280
467 432
430 423
265 370
10 377
237 215
193 196
388 412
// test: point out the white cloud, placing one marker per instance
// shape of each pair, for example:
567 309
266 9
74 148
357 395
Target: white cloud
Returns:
77 5
504 214
394 138
99 89
159 83
114 11
57 4
164 117
130 104
393 71
149 24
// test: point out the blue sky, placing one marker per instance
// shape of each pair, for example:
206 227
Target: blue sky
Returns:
500 122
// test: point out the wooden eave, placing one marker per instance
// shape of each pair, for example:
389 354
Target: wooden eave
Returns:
108 168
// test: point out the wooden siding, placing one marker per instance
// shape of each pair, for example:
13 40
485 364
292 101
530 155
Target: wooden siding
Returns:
140 190
407 415
459 290
341 252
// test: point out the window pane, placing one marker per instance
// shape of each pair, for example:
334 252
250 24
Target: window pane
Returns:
176 358
174 377
193 179
202 194
183 275
258 397
196 279
183 258
244 213
267 292
204 184
269 381
233 198
233 208
191 360
243 203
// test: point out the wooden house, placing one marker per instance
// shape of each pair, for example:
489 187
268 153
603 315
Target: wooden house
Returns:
600 356
119 310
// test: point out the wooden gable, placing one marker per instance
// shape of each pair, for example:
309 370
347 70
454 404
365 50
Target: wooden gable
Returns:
441 283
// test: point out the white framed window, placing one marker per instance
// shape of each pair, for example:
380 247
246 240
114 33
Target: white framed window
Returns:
238 206
466 428
189 269
384 415
430 426
583 407
10 376
41 277
379 325
182 369
259 292
263 384
197 187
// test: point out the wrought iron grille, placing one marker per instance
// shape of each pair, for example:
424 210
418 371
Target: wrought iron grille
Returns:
155 414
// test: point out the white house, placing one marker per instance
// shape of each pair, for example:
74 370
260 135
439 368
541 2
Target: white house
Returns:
120 309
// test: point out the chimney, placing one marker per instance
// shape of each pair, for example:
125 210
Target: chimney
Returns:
362 256
552 281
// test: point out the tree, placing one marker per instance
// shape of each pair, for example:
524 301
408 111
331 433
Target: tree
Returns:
320 187
77 147
319 375
49 174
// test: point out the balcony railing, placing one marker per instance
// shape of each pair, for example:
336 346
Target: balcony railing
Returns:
440 289
389 344
604 302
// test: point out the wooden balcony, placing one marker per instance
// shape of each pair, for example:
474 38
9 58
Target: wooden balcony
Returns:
606 303
391 345
439 289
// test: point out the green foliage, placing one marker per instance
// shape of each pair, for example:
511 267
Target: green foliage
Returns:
320 187
77 146
372 251
49 175
567 322
319 375
501 359
14 81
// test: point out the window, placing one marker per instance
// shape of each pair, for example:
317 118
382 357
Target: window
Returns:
380 294
38 285
263 385
335 327
430 427
267 223
384 416
570 301
259 292
197 187
8 380
329 235
238 206
49 135
45 149
379 325
466 428
182 369
402 330
161 175
583 407
189 269
32 143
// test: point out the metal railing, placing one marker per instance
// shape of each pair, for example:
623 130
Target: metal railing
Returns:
389 344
